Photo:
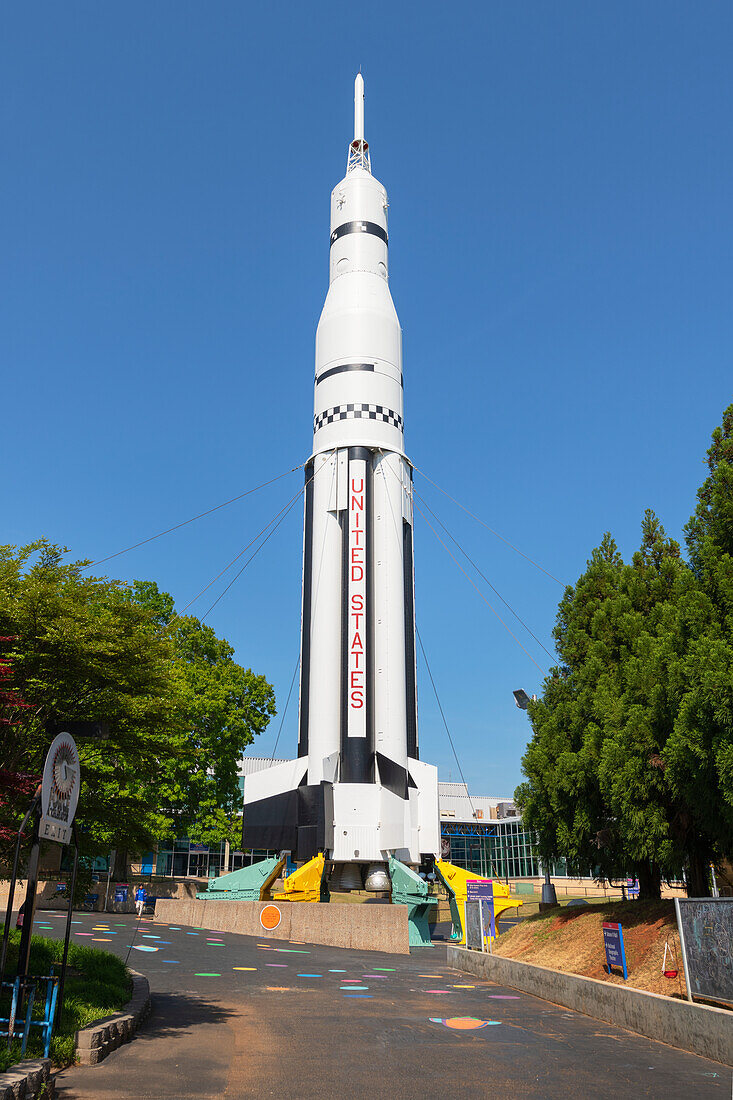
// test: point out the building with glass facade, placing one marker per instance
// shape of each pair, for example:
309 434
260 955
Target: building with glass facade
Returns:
482 833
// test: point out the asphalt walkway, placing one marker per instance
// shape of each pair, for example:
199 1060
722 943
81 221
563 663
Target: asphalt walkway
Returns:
235 1016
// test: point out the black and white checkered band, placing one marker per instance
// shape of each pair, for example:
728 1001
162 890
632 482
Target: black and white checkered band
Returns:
357 412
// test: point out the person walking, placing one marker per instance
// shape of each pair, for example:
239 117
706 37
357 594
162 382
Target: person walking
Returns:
140 900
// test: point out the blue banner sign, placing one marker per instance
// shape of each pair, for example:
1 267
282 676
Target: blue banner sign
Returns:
632 887
613 940
481 889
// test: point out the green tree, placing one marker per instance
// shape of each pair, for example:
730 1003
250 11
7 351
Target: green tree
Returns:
180 709
562 800
632 748
226 707
600 730
699 755
82 649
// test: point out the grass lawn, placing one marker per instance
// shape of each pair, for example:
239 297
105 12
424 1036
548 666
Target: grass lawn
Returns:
97 983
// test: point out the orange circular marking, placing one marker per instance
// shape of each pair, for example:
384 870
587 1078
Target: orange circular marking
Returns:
464 1023
270 917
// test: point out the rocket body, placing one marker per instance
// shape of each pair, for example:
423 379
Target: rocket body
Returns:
357 789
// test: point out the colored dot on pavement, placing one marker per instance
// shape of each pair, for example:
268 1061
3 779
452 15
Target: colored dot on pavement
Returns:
351 988
201 975
310 975
192 933
244 968
390 969
464 987
276 964
337 972
359 996
170 960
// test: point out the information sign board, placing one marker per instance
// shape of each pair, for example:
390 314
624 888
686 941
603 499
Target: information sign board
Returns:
706 934
632 887
613 940
59 790
121 893
479 889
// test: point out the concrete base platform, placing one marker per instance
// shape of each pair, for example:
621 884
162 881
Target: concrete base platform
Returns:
360 927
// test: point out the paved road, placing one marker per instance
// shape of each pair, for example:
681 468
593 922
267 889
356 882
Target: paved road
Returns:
239 1017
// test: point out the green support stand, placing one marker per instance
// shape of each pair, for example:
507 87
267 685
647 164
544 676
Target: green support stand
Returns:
248 884
410 890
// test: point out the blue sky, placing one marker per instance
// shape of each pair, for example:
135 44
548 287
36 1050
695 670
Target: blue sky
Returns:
560 244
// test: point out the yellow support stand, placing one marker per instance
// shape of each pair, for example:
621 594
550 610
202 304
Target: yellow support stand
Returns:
306 884
455 880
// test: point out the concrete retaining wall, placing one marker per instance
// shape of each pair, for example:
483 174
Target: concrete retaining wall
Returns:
94 1043
47 896
28 1080
367 927
693 1027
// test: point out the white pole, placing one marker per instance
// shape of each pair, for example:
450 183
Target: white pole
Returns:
359 108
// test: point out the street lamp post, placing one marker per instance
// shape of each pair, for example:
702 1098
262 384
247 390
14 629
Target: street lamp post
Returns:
549 894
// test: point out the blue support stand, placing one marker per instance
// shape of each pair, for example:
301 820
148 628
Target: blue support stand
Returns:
28 987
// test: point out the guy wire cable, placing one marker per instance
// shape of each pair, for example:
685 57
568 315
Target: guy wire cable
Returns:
287 703
199 516
509 631
253 555
483 524
250 543
241 552
445 723
483 575
422 647
471 582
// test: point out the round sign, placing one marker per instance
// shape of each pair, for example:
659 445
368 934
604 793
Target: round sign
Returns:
270 917
60 789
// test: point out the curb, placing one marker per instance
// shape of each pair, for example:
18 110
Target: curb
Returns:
697 1028
28 1080
94 1043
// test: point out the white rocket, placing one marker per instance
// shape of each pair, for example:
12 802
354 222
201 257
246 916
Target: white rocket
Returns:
357 790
